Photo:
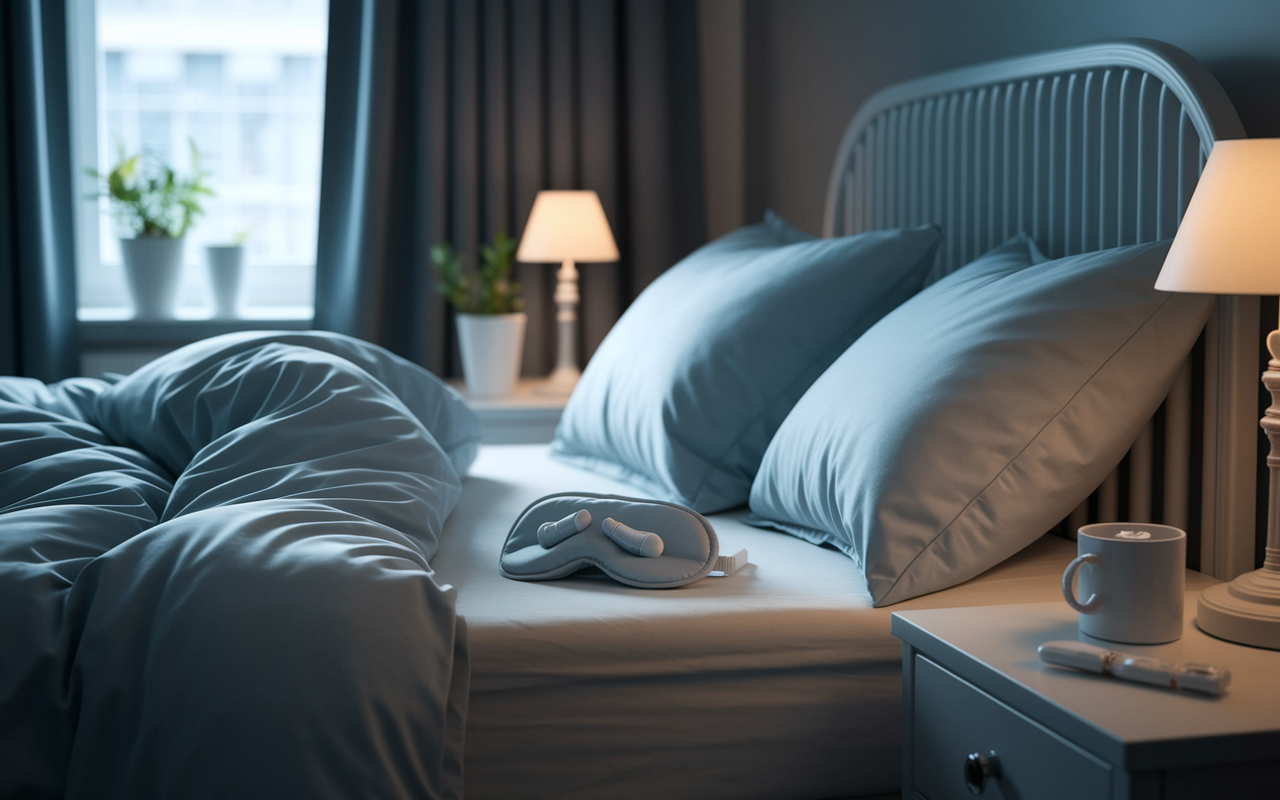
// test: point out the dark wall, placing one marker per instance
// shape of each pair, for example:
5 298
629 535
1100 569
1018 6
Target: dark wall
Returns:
811 63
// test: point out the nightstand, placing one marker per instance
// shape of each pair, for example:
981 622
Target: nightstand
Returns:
522 417
973 683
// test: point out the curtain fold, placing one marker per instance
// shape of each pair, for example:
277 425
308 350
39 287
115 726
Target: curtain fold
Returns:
38 333
445 118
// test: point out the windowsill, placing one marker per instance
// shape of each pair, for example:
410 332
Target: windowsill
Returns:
111 327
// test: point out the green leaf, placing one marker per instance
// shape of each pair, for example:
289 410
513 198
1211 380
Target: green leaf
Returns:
150 198
489 290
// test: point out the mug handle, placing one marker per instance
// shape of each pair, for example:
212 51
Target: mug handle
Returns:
1091 605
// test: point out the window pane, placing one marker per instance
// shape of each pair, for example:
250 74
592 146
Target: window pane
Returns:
244 81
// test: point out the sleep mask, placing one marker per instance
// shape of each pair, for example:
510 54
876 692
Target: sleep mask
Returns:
645 543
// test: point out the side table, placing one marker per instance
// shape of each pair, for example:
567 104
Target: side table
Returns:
973 684
522 417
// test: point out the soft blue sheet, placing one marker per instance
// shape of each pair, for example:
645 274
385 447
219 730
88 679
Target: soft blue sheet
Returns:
215 577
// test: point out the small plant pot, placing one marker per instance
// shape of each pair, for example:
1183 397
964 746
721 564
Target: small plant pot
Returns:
153 265
491 346
226 267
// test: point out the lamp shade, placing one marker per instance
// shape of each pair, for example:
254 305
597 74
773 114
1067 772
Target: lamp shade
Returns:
567 226
1229 239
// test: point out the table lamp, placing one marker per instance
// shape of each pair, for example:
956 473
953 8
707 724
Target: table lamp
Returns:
1229 243
569 227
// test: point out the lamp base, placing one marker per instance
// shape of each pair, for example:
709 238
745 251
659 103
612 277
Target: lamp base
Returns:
1247 610
560 382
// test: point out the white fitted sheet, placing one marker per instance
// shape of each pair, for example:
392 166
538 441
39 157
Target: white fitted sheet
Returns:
780 681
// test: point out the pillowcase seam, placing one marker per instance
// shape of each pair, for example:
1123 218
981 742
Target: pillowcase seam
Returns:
1031 441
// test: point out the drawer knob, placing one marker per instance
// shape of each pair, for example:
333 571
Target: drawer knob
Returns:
977 768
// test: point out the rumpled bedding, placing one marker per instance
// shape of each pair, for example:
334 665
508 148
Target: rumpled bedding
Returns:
215 577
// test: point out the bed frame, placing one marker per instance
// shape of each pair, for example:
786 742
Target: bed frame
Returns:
1083 149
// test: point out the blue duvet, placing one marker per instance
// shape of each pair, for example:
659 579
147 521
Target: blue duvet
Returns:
215 577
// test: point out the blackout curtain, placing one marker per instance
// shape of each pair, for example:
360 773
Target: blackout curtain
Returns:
38 335
444 118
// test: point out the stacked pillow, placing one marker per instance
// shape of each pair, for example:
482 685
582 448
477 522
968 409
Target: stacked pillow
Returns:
978 414
687 390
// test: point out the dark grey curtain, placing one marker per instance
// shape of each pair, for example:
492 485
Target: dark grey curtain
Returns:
444 119
38 335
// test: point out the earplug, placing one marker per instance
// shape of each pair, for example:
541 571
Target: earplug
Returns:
641 543
551 534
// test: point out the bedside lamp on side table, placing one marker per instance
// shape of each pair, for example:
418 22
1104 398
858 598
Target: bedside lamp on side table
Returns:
1229 243
567 227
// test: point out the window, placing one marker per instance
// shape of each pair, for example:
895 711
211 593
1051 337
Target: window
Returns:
244 81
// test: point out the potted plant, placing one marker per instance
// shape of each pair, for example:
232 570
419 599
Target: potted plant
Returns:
490 322
157 207
226 267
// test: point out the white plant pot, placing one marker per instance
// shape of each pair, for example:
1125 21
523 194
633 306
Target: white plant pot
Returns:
226 266
153 265
491 345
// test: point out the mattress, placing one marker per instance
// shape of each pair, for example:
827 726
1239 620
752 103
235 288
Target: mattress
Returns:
779 681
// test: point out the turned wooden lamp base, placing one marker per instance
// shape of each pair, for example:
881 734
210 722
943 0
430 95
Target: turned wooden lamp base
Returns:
566 373
1247 610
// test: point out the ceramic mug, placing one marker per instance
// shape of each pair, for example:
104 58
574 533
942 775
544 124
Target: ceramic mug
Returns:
1132 576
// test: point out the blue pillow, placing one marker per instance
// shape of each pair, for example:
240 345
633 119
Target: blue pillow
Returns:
977 415
686 391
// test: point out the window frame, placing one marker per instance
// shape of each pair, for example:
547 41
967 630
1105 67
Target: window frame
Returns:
110 327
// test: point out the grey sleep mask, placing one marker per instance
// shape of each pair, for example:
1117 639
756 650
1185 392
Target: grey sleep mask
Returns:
644 543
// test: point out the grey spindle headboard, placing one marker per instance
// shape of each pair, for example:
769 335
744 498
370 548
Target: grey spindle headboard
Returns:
1083 149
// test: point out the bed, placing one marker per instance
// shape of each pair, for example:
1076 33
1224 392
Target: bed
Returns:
287 584
782 681
778 681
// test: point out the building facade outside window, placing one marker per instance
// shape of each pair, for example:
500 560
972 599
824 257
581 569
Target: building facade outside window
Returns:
244 81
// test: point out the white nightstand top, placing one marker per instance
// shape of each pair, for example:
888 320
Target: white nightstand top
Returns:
525 416
522 398
1141 727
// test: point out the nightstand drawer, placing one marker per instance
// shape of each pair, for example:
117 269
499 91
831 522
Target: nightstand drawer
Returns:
952 719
